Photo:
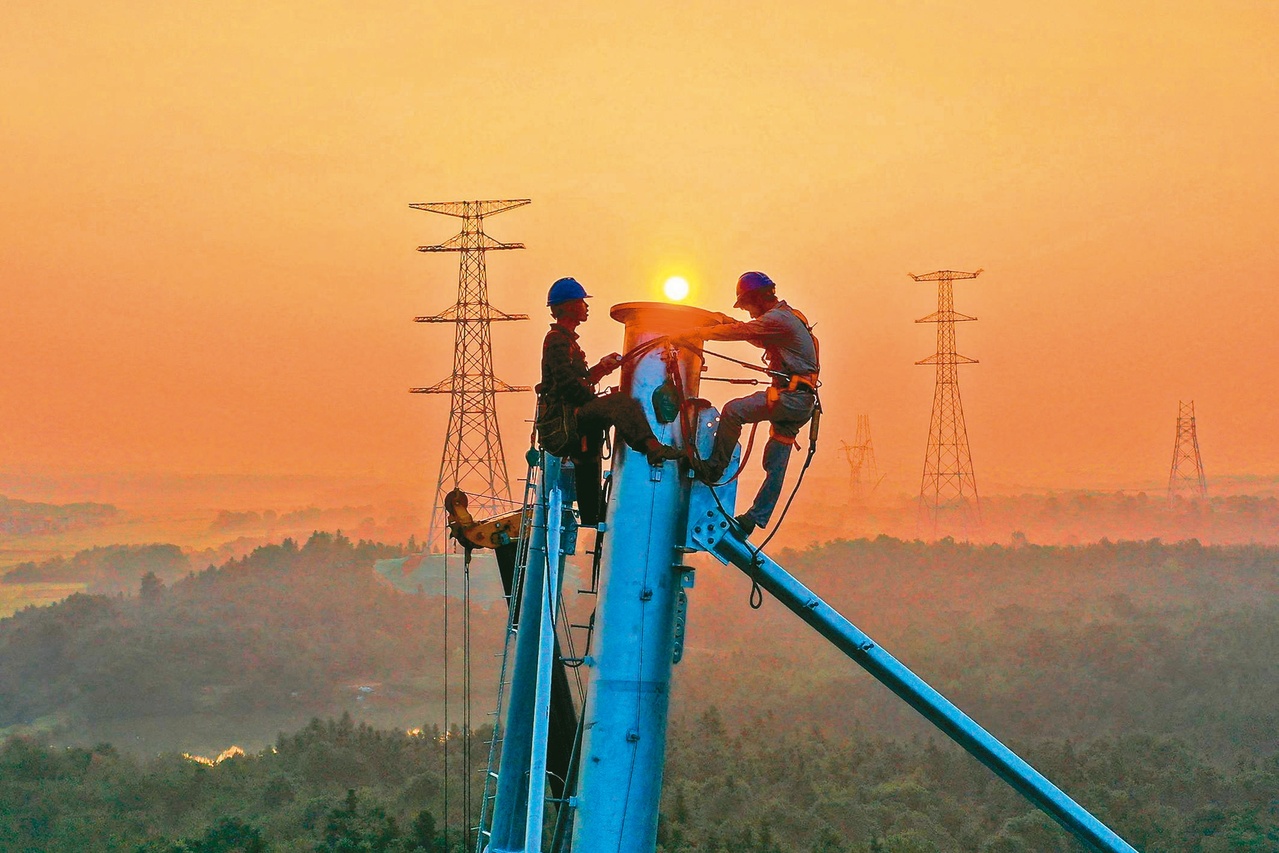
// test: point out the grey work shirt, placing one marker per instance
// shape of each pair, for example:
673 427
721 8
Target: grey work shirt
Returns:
787 343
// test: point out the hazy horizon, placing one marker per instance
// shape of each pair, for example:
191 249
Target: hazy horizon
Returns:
209 264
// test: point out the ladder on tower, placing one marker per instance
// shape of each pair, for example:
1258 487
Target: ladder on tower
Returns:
573 660
532 482
573 633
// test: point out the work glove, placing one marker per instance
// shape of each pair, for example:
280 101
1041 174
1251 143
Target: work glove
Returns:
609 363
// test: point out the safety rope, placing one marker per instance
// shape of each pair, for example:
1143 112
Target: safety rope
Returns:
746 456
776 374
756 594
465 733
733 381
448 821
643 349
814 425
686 417
466 701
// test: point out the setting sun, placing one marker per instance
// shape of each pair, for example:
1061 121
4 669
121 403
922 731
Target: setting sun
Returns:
676 288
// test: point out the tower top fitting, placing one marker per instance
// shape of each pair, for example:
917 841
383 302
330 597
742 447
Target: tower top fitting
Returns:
945 275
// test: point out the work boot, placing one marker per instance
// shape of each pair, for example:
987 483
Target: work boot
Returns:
658 453
746 524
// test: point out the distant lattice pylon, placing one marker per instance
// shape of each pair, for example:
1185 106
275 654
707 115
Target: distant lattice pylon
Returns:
473 459
863 473
948 490
1186 477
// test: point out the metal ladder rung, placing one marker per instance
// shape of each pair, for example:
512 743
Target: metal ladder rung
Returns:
489 796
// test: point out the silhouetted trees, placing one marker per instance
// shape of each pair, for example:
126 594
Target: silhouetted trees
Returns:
24 518
106 570
1141 677
283 627
1036 641
761 788
76 799
766 787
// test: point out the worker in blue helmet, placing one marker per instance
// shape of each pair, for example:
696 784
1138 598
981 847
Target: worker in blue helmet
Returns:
791 356
572 417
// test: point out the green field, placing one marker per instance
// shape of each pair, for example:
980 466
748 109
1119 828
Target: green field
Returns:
15 596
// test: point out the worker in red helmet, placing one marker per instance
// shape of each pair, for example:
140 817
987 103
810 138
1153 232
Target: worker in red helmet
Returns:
790 353
572 418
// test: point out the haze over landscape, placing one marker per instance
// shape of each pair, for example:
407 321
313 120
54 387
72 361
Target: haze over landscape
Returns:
209 264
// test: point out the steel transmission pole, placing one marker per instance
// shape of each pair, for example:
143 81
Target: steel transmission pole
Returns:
1187 473
948 489
473 459
862 469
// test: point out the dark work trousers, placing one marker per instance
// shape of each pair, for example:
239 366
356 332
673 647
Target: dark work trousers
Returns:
593 420
786 417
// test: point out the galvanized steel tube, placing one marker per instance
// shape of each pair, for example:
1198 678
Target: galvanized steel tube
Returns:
828 622
510 810
624 743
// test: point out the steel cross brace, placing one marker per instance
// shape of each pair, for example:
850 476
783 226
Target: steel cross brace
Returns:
709 531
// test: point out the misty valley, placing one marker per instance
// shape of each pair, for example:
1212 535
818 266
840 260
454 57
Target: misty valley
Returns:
1139 675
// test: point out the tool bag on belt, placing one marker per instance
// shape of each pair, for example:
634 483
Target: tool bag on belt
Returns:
556 426
807 381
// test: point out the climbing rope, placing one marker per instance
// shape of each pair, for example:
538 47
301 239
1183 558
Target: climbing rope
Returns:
448 821
756 594
466 698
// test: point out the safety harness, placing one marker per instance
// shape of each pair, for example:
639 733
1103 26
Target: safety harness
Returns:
779 381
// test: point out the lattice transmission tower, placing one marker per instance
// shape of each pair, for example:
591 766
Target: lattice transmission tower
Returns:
948 491
863 473
473 459
1186 476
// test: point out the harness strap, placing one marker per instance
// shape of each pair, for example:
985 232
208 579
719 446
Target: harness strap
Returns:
803 380
817 345
781 439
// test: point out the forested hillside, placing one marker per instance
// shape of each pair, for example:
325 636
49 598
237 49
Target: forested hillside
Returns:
282 628
1057 518
24 518
1140 676
771 788
105 570
329 787
1080 642
764 788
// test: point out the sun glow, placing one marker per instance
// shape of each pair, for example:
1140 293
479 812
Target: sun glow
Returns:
228 753
676 288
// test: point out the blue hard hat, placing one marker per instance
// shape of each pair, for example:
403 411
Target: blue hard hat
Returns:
564 290
750 282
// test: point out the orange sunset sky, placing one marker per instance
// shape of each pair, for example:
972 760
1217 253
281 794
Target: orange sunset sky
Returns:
207 255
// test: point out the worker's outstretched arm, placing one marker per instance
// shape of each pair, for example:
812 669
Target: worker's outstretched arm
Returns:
761 331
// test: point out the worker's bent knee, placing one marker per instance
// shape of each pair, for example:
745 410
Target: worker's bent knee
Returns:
735 410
